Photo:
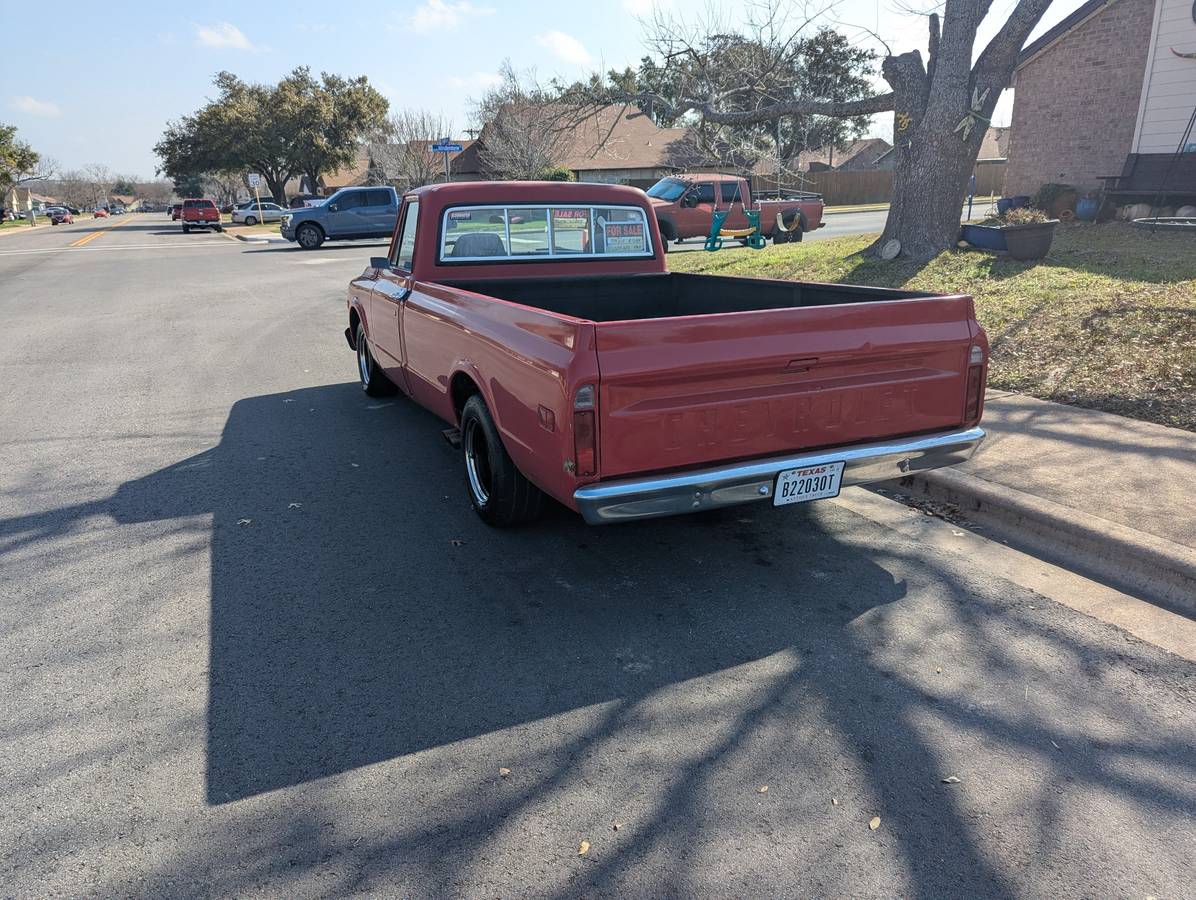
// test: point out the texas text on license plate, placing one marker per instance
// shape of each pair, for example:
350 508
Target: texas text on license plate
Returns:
808 483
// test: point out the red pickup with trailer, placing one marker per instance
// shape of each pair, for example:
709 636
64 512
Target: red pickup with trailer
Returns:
685 206
539 321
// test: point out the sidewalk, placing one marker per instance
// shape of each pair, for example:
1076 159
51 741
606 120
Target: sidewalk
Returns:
1112 496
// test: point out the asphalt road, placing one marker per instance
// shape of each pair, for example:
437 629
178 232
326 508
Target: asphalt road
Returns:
254 642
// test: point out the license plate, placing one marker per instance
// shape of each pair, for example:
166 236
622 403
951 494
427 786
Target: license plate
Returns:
808 483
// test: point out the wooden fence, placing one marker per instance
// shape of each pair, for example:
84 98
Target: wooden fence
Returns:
849 188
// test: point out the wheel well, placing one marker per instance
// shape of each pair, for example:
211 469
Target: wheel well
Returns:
354 321
316 225
462 388
668 230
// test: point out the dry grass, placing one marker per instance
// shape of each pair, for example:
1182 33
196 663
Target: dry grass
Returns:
1107 320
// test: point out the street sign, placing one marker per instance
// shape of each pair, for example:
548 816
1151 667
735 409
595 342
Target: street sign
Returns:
255 180
444 147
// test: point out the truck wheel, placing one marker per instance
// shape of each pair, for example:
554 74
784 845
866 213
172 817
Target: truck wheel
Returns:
251 221
373 380
498 491
219 229
310 237
186 229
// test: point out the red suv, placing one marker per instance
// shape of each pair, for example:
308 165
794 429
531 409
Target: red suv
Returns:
200 214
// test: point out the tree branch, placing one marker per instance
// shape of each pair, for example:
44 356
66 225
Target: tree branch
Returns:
707 110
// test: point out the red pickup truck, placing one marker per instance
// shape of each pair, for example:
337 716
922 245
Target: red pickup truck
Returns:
198 213
685 205
538 319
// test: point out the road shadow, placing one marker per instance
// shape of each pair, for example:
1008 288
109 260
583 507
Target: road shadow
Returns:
360 611
290 247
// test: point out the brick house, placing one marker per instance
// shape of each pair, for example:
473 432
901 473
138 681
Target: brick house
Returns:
1103 87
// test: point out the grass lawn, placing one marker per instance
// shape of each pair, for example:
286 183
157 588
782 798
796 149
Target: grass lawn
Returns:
1107 320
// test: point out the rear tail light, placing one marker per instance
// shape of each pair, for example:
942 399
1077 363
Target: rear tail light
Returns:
975 393
584 437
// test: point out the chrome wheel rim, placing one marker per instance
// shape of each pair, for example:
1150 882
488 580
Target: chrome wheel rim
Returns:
307 237
363 359
477 462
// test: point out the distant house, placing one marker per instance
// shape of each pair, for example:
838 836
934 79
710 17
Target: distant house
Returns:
617 145
1109 88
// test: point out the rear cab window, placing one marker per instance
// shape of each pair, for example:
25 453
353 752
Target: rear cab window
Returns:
521 233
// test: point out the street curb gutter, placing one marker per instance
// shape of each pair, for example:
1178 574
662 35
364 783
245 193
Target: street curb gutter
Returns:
1139 563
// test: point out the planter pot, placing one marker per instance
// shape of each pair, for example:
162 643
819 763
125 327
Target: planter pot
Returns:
1064 202
990 237
1007 203
1087 209
1030 241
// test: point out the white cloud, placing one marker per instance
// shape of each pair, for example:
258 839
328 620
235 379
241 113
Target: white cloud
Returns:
222 36
565 47
445 15
476 80
42 108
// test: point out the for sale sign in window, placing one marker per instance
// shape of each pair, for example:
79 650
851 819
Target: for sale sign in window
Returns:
625 237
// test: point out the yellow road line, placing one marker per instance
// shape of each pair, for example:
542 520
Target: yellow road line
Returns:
95 234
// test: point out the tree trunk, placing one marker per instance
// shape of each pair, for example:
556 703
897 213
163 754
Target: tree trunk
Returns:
278 188
930 181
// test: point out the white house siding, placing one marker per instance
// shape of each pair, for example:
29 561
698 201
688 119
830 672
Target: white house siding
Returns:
1169 86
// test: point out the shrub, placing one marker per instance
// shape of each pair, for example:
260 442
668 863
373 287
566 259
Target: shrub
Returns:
557 173
1049 193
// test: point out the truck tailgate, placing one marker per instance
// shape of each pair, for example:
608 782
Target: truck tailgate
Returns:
694 390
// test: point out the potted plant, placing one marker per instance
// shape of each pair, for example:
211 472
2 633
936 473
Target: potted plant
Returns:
1026 233
1054 198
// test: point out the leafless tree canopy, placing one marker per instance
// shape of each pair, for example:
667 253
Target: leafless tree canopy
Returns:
526 129
400 154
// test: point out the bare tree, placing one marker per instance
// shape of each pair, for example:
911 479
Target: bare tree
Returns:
74 188
158 192
400 153
99 183
941 106
526 130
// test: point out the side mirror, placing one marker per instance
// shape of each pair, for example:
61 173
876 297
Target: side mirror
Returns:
332 207
379 262
690 201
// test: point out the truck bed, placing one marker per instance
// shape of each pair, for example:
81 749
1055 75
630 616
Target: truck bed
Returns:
701 369
616 298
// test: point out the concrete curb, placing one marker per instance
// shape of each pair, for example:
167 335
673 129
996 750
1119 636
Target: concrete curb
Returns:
1134 561
250 240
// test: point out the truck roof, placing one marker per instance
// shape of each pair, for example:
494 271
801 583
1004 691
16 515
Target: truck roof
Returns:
523 191
705 176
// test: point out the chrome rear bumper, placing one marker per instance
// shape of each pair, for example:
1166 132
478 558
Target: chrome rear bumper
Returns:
685 492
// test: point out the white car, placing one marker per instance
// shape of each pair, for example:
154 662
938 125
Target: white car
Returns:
251 215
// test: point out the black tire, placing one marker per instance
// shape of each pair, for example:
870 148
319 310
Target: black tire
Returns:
251 221
498 491
309 236
373 380
219 228
186 229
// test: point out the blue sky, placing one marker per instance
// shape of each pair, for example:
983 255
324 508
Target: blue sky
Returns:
134 65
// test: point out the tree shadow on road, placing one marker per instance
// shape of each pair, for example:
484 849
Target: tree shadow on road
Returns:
361 613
